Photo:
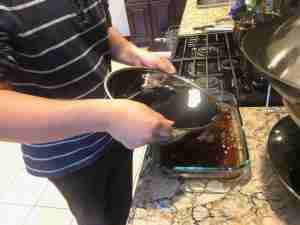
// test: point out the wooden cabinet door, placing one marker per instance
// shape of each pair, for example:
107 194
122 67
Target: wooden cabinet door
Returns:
160 16
149 19
139 20
179 6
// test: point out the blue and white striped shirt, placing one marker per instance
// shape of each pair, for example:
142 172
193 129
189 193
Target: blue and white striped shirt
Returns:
46 50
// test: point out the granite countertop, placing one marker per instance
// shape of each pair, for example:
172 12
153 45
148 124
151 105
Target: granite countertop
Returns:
196 17
256 198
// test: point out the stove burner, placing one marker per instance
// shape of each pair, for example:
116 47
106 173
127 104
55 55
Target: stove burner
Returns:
203 51
211 83
198 68
191 69
192 42
194 52
228 63
207 50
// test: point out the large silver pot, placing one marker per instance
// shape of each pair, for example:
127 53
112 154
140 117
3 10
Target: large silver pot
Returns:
274 49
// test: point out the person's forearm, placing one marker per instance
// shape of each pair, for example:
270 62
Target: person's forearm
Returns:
28 119
126 52
123 50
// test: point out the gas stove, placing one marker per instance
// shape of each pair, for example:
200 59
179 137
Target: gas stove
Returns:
215 61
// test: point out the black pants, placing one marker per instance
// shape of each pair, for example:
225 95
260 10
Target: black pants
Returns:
100 194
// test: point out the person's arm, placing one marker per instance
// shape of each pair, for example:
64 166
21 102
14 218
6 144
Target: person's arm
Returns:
128 53
29 119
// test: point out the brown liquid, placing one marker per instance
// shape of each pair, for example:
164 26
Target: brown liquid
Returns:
215 146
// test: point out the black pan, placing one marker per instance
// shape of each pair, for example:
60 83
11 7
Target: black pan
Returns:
283 147
273 47
178 99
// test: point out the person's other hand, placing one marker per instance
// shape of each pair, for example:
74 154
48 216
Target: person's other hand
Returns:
135 124
154 61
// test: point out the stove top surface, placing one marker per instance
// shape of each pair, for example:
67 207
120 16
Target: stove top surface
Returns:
215 61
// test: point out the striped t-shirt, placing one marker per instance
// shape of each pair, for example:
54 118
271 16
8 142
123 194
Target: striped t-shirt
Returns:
57 49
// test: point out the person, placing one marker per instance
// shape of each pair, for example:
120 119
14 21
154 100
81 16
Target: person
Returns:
54 56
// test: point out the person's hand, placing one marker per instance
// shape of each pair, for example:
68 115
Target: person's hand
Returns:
135 124
154 61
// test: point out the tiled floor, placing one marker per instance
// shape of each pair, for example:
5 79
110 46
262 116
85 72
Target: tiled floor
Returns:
25 199
28 200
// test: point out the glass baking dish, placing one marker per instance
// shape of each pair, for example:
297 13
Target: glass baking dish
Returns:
218 151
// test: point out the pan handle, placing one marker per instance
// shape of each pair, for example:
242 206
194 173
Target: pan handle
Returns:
176 135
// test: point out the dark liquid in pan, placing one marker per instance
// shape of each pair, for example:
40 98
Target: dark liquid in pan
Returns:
215 146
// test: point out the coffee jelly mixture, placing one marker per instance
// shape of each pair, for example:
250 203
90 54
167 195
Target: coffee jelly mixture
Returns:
215 146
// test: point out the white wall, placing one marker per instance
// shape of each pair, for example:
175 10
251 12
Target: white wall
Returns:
119 16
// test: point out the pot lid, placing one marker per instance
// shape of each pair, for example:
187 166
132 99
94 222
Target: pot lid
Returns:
175 97
178 99
187 107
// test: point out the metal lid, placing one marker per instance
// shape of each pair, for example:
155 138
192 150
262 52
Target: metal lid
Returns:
175 97
273 47
281 56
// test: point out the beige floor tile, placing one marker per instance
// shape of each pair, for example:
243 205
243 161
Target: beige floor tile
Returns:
12 156
13 215
51 197
7 176
48 216
25 189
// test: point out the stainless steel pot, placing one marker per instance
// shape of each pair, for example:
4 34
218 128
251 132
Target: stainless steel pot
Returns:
274 49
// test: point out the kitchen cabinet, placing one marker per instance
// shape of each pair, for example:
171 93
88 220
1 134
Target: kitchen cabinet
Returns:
139 20
177 8
160 16
149 19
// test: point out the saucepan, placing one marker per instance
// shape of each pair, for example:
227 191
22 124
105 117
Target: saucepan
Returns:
178 99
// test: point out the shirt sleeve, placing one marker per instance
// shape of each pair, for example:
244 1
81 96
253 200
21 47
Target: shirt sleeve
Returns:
106 8
7 31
